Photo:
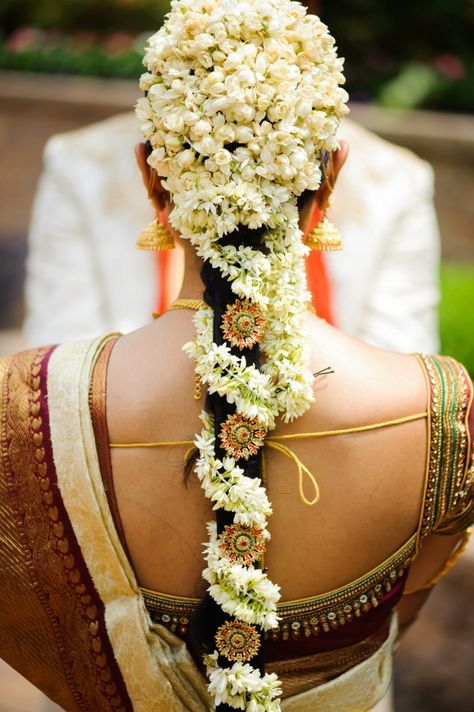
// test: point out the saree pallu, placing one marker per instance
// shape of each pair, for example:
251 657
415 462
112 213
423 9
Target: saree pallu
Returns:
73 620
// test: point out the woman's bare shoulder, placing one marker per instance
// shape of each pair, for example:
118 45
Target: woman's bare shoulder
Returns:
373 383
151 380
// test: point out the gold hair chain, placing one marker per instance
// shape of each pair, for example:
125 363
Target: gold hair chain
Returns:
195 305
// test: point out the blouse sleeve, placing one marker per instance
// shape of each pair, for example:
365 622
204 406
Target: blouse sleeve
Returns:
460 514
448 503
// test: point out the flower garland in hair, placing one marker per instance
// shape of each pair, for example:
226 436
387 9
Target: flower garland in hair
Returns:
242 97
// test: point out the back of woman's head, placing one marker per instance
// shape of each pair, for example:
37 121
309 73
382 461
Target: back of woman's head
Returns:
242 99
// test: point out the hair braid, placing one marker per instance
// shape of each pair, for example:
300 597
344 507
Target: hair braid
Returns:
218 295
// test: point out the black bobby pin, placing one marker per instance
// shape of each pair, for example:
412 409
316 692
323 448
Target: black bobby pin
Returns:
324 371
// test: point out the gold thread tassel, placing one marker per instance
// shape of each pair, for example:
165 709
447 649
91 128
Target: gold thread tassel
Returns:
325 236
155 236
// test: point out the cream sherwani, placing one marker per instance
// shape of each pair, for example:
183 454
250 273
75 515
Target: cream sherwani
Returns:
84 276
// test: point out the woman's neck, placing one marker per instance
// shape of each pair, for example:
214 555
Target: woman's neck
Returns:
192 286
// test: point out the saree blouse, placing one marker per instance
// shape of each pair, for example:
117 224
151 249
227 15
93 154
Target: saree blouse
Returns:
74 620
340 628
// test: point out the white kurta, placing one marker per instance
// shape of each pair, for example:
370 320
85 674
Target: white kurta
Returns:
85 278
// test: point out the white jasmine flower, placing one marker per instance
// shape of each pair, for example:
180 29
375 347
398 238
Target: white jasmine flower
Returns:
223 157
232 685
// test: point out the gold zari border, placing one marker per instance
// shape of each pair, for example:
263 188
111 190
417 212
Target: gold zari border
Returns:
446 509
70 624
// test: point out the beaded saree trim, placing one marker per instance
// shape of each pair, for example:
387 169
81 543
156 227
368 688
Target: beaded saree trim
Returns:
305 617
448 479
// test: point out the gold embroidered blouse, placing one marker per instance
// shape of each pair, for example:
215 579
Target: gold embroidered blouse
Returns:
447 508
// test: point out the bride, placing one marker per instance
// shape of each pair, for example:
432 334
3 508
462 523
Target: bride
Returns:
320 472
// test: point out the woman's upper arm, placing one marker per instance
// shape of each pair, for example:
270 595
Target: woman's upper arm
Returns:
438 555
448 506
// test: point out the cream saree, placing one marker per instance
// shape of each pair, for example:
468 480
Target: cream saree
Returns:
73 620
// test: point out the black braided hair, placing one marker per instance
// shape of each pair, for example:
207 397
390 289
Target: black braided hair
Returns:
218 294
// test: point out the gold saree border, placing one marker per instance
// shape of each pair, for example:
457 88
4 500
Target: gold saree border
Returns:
98 410
447 479
58 571
301 674
158 671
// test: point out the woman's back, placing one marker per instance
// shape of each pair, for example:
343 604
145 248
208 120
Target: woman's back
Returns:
371 483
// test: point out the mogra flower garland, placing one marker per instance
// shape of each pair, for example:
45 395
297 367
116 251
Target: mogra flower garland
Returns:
242 590
242 97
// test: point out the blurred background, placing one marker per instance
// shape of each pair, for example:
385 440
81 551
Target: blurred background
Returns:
410 74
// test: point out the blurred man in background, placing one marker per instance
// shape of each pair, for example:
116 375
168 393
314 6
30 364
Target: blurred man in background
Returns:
84 276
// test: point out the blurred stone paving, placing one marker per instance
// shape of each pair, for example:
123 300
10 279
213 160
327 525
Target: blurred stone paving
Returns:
18 695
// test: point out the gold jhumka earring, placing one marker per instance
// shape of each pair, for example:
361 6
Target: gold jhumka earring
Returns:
155 236
325 236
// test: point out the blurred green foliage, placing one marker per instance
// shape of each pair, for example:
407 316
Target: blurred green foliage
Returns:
457 313
412 54
62 59
70 15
